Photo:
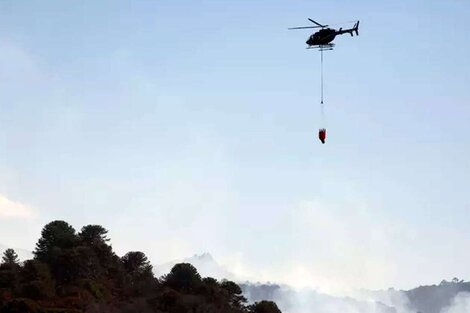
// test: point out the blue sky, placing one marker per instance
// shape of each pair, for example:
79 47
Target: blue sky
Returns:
191 126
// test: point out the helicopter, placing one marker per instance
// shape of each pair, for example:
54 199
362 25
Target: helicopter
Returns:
324 37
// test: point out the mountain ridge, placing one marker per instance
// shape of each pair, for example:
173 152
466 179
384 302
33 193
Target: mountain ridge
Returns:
205 264
422 299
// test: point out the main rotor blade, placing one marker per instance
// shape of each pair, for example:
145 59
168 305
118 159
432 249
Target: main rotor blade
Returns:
320 25
342 23
304 27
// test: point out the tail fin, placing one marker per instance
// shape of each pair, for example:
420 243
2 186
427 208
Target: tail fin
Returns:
356 28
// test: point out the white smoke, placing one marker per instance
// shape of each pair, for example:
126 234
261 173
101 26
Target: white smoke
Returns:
398 300
460 304
291 300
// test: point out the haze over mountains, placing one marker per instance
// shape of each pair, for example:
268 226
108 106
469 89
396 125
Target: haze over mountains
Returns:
446 297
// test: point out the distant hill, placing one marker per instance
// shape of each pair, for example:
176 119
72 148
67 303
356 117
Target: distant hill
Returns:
287 298
291 300
423 299
205 264
432 299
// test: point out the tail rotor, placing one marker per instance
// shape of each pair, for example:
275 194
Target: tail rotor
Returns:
356 28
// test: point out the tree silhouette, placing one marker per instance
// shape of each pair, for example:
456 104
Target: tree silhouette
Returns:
10 257
264 307
210 281
55 236
93 234
234 291
183 276
9 269
136 262
139 273
231 287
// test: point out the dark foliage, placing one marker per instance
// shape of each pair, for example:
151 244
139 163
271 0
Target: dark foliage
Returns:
20 306
80 273
138 273
35 281
93 235
264 307
234 293
56 237
136 262
8 275
183 277
10 257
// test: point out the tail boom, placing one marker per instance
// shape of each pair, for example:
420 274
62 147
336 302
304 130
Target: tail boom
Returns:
350 31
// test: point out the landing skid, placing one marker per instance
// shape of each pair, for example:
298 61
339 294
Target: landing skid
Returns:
322 47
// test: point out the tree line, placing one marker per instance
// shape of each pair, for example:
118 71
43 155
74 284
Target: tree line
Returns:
80 273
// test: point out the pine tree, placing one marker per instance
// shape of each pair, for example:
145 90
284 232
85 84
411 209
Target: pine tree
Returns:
10 257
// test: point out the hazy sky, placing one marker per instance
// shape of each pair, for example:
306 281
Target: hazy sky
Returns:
191 126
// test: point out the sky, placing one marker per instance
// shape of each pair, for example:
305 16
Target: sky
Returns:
191 126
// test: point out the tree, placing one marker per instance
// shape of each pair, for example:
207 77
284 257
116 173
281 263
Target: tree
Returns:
94 237
231 287
210 281
10 257
55 236
9 269
93 234
183 276
139 273
264 307
234 292
136 262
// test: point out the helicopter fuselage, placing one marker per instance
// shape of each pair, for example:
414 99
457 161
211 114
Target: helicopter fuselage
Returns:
322 37
325 36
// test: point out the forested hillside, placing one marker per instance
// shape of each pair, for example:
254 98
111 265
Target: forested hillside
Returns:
79 273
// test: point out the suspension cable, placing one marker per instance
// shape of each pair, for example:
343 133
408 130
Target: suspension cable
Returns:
321 50
322 104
